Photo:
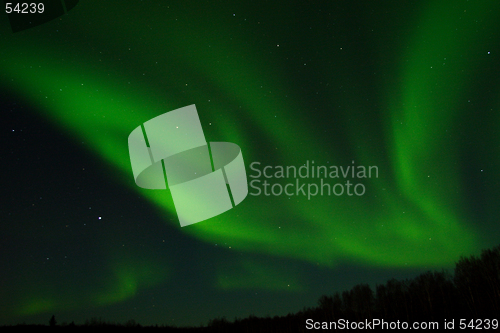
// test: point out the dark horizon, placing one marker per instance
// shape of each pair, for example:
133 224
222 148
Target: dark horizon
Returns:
470 295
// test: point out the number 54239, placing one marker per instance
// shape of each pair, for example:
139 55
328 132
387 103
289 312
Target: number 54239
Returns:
24 8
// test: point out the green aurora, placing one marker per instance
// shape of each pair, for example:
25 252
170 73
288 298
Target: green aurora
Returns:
399 86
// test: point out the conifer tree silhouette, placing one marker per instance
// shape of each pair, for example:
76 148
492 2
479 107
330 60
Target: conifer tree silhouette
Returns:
52 321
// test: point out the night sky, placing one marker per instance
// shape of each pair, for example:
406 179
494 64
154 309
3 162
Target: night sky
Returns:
411 87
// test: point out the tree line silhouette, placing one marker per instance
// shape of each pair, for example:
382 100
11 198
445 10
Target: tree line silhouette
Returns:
471 292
